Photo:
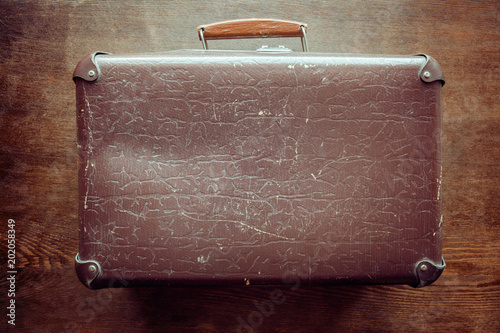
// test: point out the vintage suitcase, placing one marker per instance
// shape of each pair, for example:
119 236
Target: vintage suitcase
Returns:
201 167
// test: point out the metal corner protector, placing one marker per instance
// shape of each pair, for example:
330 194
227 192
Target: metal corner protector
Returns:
431 71
87 271
87 68
427 272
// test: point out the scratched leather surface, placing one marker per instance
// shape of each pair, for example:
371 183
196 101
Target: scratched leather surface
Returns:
237 168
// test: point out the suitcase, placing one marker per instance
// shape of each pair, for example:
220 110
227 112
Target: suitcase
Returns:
267 167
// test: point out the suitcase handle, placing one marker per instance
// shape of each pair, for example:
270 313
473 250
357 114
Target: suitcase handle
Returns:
253 28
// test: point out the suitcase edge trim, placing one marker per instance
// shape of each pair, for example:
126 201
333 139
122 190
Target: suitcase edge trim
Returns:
88 68
89 271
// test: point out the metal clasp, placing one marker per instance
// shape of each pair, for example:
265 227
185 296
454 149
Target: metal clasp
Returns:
266 48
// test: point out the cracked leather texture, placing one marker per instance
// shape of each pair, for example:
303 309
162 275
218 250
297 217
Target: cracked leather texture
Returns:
245 168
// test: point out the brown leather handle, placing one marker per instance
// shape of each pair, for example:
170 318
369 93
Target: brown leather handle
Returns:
251 28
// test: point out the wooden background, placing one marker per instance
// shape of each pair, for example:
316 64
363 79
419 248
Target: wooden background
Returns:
42 41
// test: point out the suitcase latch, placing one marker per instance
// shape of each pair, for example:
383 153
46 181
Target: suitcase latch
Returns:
266 48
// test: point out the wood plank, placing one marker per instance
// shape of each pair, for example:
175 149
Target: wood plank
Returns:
41 42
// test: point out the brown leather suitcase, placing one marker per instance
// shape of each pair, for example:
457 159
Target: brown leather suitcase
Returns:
201 167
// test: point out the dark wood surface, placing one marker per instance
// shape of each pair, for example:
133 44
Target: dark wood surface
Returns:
40 44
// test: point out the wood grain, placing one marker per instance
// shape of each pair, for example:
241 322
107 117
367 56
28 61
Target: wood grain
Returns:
41 42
